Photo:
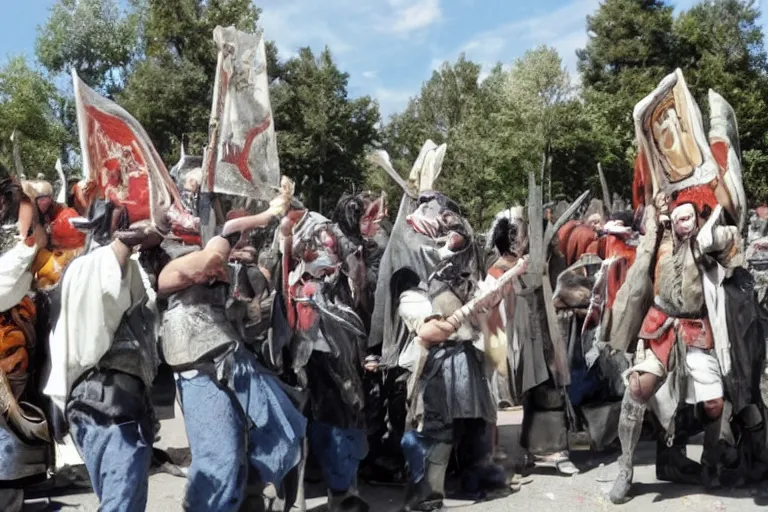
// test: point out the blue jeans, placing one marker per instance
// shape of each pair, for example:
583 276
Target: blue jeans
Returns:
339 452
249 426
110 420
217 432
118 458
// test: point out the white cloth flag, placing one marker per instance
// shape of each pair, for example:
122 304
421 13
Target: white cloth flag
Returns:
246 161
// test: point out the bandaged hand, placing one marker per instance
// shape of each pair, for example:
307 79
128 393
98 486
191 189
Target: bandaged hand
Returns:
279 205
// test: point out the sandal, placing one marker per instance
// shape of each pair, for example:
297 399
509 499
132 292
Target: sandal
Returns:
558 461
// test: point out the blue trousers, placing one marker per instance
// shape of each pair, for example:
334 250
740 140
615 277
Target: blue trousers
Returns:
217 432
249 426
116 451
339 452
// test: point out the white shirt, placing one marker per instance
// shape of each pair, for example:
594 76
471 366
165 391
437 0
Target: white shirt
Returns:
15 278
94 297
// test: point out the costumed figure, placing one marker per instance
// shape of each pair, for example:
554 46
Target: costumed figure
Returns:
102 348
65 241
584 298
103 355
24 434
428 276
690 186
245 432
757 251
356 225
257 431
324 289
544 373
507 241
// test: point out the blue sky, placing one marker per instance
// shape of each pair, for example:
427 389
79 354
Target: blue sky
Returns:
389 47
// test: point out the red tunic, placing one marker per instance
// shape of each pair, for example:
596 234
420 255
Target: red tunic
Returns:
660 331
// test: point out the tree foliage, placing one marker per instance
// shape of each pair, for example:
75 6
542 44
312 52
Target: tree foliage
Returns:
721 48
322 135
633 44
28 105
496 130
157 58
94 38
170 91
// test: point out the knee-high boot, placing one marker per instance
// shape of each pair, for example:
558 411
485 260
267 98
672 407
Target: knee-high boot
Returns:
718 438
427 464
672 462
630 427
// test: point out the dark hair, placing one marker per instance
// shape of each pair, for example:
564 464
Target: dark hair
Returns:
402 280
153 260
11 195
347 214
627 217
502 234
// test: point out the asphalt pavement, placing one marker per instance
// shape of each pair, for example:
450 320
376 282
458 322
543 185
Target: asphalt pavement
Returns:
547 492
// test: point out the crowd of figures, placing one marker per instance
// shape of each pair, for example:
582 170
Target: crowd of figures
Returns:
383 351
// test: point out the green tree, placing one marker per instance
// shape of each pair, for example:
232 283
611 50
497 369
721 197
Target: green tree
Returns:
322 134
721 47
633 44
496 130
171 90
27 104
543 117
94 38
631 47
445 110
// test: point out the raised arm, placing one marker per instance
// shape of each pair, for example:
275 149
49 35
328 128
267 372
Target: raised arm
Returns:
248 223
199 267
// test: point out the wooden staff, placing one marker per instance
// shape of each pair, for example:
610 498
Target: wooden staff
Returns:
491 297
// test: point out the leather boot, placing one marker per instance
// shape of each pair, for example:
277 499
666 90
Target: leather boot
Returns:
428 493
673 464
11 500
718 436
630 427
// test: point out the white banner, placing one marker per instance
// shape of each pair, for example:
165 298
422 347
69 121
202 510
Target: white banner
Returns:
246 162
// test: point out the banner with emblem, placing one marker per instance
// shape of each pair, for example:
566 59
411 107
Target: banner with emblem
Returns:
120 162
242 155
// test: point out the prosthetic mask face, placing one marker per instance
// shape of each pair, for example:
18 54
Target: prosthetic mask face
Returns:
314 246
509 233
595 221
684 221
437 217
375 211
42 192
189 190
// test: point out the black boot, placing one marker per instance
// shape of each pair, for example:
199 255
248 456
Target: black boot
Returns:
718 437
630 427
11 500
348 501
673 464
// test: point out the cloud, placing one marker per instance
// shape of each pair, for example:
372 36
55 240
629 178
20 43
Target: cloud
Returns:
293 25
391 100
344 25
378 42
410 15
